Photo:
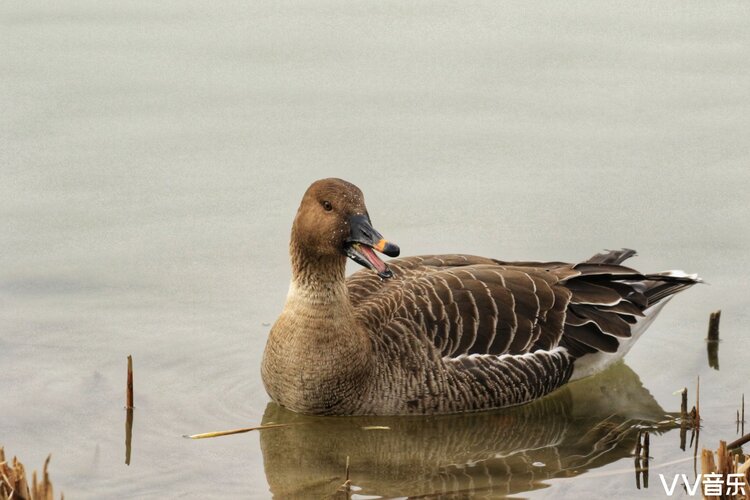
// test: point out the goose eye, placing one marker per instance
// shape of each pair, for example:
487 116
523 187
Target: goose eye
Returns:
327 206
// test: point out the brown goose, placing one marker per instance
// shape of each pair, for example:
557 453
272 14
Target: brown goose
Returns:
441 333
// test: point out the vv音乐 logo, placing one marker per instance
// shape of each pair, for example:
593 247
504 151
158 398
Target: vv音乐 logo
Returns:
713 484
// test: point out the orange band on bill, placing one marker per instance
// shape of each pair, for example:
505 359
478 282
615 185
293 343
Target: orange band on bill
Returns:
380 245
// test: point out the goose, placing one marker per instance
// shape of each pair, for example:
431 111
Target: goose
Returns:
435 334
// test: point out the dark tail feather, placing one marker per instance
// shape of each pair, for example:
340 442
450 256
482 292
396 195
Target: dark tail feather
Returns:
612 256
607 299
662 285
654 287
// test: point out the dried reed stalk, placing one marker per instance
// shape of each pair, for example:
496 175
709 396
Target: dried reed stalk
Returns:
346 488
726 463
739 441
712 341
713 325
129 386
206 435
14 483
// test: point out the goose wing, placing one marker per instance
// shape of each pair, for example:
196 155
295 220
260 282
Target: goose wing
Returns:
473 305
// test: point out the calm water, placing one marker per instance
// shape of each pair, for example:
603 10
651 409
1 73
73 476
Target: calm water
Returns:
152 158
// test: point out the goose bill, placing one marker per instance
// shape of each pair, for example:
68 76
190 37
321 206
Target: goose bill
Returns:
365 256
363 242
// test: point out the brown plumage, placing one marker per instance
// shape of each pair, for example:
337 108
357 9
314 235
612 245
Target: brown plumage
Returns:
441 333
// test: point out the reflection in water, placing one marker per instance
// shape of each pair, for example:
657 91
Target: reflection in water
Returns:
741 418
712 348
585 425
128 434
129 408
641 459
712 342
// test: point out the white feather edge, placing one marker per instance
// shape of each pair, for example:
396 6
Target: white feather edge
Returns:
501 357
679 273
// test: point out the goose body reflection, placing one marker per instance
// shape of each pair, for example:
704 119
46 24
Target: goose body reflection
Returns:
585 425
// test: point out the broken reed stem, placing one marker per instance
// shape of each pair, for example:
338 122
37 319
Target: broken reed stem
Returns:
739 442
683 404
206 435
708 466
698 402
14 482
346 486
726 464
683 418
129 390
638 444
713 326
723 456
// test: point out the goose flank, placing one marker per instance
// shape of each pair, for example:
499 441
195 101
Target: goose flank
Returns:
441 333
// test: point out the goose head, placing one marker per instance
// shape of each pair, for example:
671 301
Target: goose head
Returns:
332 222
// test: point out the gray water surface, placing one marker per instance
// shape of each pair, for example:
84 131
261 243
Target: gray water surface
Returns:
152 157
